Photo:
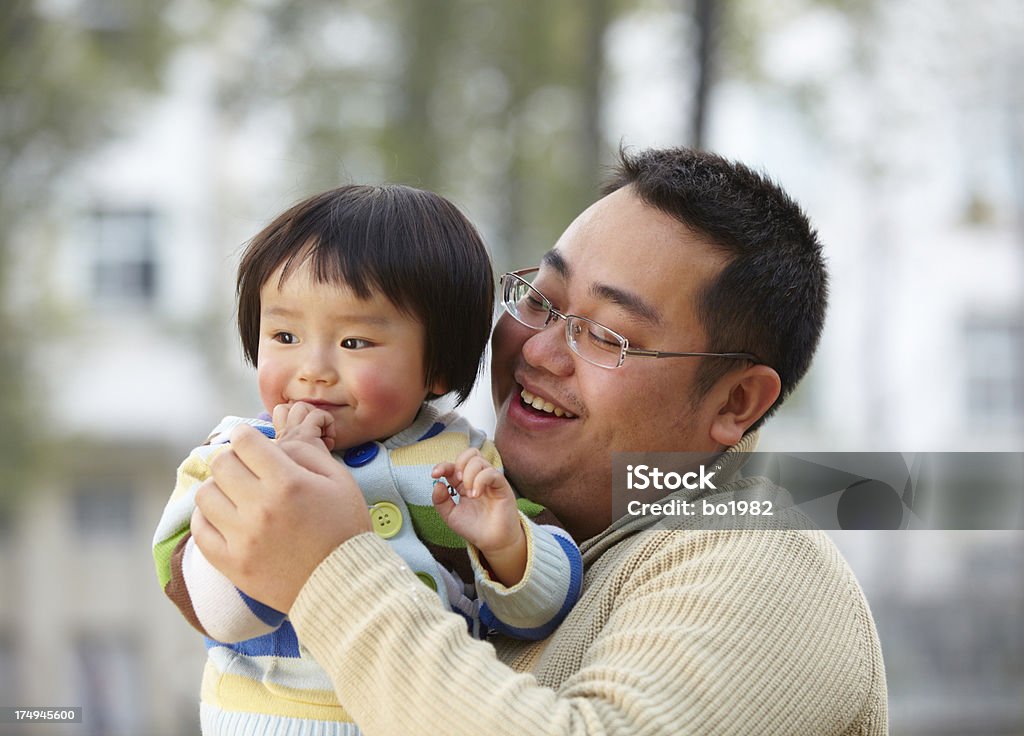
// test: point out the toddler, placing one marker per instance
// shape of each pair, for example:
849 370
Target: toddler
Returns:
357 307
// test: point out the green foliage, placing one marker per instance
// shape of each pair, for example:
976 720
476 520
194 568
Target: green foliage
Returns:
66 73
492 103
59 78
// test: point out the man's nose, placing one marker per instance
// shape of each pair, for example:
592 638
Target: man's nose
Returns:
548 349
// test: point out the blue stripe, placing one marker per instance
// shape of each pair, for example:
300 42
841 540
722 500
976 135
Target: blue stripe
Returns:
266 614
434 430
280 643
572 552
268 431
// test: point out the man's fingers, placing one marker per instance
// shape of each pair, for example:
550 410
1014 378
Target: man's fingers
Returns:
207 537
230 476
216 506
258 454
311 458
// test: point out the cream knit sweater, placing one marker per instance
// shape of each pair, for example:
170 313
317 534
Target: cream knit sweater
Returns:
677 632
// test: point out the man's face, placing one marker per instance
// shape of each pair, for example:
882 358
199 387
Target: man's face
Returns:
635 270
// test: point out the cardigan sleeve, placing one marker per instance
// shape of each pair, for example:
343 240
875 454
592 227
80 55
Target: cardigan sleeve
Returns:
529 610
725 632
203 595
551 585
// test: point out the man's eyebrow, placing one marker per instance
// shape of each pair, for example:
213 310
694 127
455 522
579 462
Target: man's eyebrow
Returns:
638 307
554 259
633 303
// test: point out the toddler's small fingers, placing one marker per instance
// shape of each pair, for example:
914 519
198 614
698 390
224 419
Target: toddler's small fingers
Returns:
466 456
439 492
443 469
280 417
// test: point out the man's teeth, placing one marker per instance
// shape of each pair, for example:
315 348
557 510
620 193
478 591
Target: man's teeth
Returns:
546 406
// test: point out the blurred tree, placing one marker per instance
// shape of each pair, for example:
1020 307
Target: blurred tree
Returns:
498 105
704 17
494 104
62 68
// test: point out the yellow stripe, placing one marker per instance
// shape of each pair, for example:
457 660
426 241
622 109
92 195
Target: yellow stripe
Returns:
237 693
195 469
445 446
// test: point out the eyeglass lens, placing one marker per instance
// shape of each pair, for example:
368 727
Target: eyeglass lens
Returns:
590 340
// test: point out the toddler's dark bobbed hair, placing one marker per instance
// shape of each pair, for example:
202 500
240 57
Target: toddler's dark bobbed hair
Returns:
414 247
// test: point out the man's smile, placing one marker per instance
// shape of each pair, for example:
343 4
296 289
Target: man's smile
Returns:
541 404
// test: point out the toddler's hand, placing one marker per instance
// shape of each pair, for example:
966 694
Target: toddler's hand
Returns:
302 422
486 514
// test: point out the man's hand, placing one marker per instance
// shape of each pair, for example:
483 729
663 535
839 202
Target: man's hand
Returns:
486 514
303 422
271 513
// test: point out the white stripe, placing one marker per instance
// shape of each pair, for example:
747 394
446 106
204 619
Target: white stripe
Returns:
217 603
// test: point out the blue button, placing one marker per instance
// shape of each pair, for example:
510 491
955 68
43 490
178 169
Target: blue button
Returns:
360 455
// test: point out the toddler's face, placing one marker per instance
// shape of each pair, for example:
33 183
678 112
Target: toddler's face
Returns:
359 359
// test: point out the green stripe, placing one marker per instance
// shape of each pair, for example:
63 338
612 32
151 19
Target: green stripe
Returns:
528 507
430 527
162 556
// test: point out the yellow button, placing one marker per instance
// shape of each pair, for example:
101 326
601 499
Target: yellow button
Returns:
427 580
386 519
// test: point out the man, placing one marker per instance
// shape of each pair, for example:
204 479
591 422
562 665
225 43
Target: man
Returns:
685 304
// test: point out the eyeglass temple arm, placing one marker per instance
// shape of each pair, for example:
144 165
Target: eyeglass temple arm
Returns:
638 352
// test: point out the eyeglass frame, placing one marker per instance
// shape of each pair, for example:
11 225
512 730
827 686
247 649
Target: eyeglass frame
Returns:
624 348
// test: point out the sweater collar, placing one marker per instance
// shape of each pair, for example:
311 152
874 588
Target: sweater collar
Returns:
727 467
421 426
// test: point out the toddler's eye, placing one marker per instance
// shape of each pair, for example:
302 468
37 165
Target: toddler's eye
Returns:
354 343
285 338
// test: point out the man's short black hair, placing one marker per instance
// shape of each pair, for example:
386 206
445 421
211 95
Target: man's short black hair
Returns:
414 247
770 297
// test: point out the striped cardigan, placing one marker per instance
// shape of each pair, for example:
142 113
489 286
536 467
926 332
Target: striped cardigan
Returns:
258 677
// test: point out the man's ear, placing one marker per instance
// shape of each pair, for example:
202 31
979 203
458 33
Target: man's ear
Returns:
745 396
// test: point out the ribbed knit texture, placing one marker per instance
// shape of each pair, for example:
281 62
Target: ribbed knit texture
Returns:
677 632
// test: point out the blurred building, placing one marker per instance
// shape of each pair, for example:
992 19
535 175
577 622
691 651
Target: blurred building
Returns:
130 289
136 358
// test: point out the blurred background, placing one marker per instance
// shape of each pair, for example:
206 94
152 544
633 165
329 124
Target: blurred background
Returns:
142 143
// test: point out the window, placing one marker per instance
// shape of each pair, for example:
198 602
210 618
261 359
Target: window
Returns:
9 667
111 16
104 507
994 351
124 267
108 678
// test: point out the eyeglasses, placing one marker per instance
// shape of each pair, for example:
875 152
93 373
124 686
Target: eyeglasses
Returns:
590 340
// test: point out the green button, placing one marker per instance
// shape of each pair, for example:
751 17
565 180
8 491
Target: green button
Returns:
427 580
386 519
